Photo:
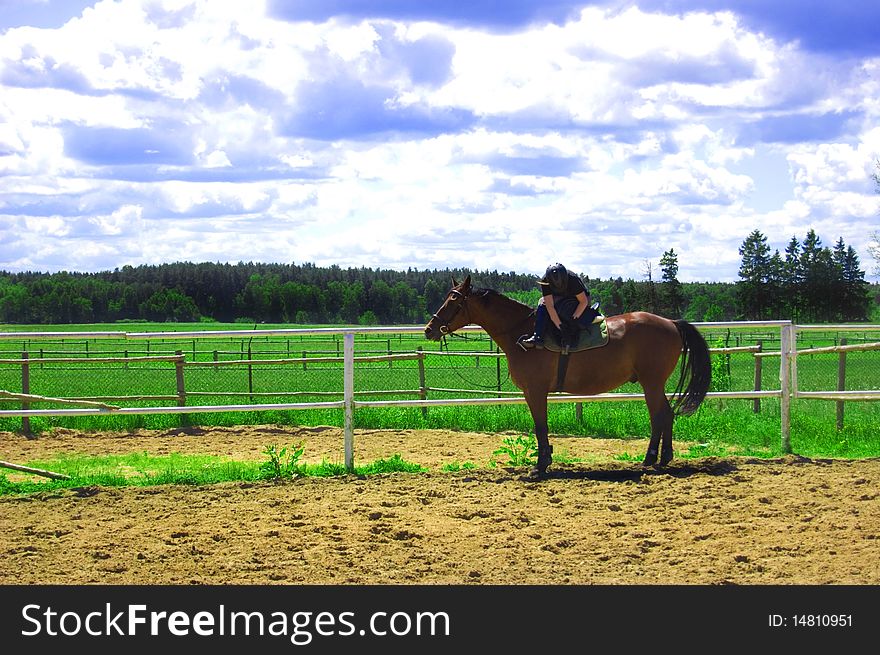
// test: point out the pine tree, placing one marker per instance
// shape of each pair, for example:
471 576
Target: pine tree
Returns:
818 283
754 273
792 276
856 300
672 295
840 288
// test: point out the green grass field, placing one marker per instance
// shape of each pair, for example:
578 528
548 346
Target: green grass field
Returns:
142 469
720 425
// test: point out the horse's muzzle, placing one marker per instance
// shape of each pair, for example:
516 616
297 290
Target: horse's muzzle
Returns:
433 331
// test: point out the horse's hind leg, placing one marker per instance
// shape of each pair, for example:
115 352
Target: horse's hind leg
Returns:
666 452
661 427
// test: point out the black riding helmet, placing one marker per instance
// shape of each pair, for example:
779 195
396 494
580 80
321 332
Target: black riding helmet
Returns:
556 276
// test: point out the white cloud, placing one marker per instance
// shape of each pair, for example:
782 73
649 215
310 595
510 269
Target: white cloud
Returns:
600 142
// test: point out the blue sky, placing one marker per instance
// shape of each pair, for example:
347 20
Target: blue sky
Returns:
396 134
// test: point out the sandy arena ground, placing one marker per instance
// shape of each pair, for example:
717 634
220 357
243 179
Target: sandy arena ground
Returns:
711 521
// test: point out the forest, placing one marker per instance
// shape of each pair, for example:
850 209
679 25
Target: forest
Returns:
809 283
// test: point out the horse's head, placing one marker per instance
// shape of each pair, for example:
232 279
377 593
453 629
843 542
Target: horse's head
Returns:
452 314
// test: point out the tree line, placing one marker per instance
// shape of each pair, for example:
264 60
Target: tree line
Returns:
817 284
809 283
243 292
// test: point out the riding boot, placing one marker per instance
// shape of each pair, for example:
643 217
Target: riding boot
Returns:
537 339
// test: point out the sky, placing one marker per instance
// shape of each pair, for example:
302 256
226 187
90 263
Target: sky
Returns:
399 134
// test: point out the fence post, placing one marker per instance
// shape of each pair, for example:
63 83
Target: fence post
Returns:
758 367
250 376
423 389
785 352
348 399
841 382
498 370
26 389
181 389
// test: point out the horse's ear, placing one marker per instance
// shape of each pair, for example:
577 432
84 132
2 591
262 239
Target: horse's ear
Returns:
454 283
466 285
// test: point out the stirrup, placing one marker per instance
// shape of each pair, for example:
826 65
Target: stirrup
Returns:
533 341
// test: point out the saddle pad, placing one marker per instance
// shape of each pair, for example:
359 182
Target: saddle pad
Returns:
593 337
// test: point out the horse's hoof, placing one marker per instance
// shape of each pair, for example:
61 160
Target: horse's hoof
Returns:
650 458
665 458
535 473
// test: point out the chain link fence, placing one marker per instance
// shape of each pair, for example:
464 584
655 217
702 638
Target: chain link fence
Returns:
266 369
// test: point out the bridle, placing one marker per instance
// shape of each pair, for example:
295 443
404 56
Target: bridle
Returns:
453 295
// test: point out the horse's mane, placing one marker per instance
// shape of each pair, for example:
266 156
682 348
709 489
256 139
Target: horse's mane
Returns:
487 294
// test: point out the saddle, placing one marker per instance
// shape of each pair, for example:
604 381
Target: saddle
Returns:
574 339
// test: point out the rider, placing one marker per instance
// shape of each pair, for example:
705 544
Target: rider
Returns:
562 292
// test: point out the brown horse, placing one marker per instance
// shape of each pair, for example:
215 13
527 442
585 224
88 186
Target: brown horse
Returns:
641 347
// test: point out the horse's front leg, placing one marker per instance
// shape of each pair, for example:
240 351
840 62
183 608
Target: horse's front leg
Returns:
661 427
538 408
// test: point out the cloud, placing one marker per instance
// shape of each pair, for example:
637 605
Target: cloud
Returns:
57 204
347 108
839 173
102 146
724 65
145 173
485 14
44 73
829 26
45 14
169 18
542 165
192 200
350 133
798 128
427 60
224 90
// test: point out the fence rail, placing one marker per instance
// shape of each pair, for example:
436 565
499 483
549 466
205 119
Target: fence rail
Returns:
352 399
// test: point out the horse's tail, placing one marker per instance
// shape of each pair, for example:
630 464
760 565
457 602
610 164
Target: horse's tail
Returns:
696 370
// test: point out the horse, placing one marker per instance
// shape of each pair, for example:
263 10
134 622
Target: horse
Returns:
642 347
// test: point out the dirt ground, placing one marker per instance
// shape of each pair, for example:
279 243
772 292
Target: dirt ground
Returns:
599 521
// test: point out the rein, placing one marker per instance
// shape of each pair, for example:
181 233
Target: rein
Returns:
444 347
444 344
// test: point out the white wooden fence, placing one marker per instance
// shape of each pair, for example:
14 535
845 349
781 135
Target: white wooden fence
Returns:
787 390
